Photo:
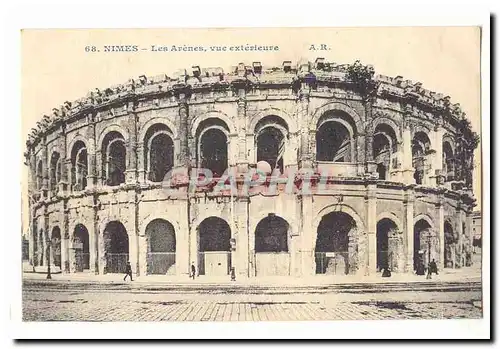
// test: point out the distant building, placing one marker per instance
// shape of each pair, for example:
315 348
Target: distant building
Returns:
477 238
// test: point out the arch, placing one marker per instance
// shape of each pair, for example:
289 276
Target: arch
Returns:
55 171
393 217
39 174
161 243
426 218
425 244
114 158
334 107
336 244
109 129
340 207
213 114
116 247
448 161
381 120
387 244
212 146
77 139
79 165
276 112
335 141
158 152
165 122
214 246
56 246
421 145
81 246
272 234
270 146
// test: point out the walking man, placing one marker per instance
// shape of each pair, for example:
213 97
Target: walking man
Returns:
128 272
193 270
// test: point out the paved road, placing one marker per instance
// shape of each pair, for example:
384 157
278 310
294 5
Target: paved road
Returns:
126 305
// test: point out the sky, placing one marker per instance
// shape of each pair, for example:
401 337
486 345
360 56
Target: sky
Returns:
56 67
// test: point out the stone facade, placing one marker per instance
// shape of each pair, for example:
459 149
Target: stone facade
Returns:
386 151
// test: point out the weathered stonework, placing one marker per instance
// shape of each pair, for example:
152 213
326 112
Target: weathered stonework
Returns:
71 189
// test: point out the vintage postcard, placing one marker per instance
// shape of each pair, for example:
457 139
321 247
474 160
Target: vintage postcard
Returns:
237 174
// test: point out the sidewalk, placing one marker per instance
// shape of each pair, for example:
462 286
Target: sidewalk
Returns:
463 275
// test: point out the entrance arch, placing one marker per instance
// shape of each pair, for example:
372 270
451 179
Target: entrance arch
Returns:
449 246
81 247
425 243
387 244
336 245
161 247
272 236
56 246
214 247
116 248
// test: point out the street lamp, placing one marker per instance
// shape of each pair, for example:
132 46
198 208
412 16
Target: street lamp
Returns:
427 235
49 245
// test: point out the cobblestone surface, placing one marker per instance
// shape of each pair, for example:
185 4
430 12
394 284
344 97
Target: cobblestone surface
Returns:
127 306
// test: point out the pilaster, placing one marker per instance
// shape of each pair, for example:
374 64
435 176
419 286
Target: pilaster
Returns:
409 226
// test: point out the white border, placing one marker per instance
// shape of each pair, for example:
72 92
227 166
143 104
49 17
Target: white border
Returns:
257 14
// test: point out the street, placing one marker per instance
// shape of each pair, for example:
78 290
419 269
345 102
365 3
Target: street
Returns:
237 304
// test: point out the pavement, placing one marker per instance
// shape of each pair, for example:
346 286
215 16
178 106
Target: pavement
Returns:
453 294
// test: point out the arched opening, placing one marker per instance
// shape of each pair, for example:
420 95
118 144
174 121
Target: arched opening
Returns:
80 247
387 244
212 146
272 236
158 152
116 247
448 162
161 247
114 155
271 133
449 246
333 142
55 172
79 166
336 245
56 246
382 171
384 149
425 244
39 175
41 248
420 150
214 246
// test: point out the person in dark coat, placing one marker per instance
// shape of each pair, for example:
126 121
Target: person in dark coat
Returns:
193 270
128 272
386 273
433 267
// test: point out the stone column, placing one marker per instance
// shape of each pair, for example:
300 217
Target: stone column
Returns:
240 234
142 165
183 128
440 209
242 159
45 170
63 182
409 226
407 161
182 262
131 172
460 241
437 159
193 248
91 156
65 243
308 234
305 158
371 227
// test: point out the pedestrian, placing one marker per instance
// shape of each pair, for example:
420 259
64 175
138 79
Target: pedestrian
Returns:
386 273
128 272
193 270
433 267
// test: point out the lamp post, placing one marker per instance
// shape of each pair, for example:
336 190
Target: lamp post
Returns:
49 245
427 235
